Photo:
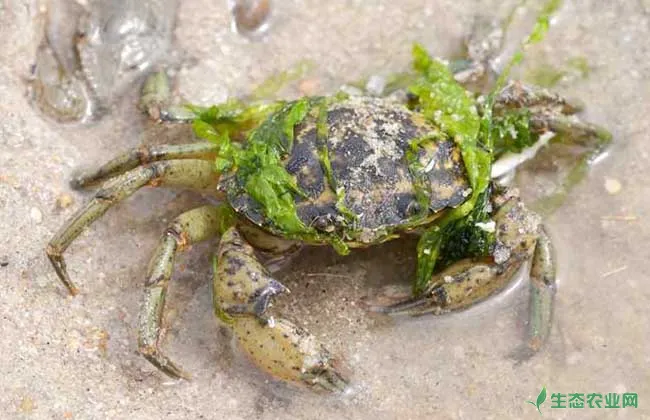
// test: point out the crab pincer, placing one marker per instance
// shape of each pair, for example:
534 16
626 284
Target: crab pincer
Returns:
243 290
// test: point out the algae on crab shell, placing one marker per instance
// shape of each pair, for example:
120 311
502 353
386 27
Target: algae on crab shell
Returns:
445 100
257 163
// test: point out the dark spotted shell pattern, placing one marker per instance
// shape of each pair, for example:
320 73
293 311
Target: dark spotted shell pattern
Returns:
367 143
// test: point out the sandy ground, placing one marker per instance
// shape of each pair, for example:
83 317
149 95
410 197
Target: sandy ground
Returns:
63 357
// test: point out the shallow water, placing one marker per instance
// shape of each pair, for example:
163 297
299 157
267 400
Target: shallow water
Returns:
75 358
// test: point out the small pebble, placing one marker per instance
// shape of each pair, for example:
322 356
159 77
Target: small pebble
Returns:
308 87
612 186
36 215
4 260
459 352
26 405
574 358
251 16
351 90
376 85
487 226
63 201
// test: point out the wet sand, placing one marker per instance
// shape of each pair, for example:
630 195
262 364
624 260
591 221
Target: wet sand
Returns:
63 357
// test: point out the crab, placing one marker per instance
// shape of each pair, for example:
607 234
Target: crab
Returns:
348 172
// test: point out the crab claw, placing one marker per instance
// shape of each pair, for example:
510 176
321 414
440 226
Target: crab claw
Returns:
290 353
413 307
457 287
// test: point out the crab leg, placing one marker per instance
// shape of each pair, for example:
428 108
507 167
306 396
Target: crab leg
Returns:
155 100
243 289
573 131
520 95
190 173
141 156
550 113
194 226
542 292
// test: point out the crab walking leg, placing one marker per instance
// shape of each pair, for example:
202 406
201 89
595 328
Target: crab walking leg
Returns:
191 227
523 96
242 293
542 292
573 131
191 173
551 113
141 156
155 100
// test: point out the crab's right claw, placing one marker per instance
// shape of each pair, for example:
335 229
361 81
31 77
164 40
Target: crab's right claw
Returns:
290 353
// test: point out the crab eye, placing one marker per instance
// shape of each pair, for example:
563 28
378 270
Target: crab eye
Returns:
323 224
412 208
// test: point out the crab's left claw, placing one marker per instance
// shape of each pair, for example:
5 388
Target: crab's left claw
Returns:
414 306
460 285
520 237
